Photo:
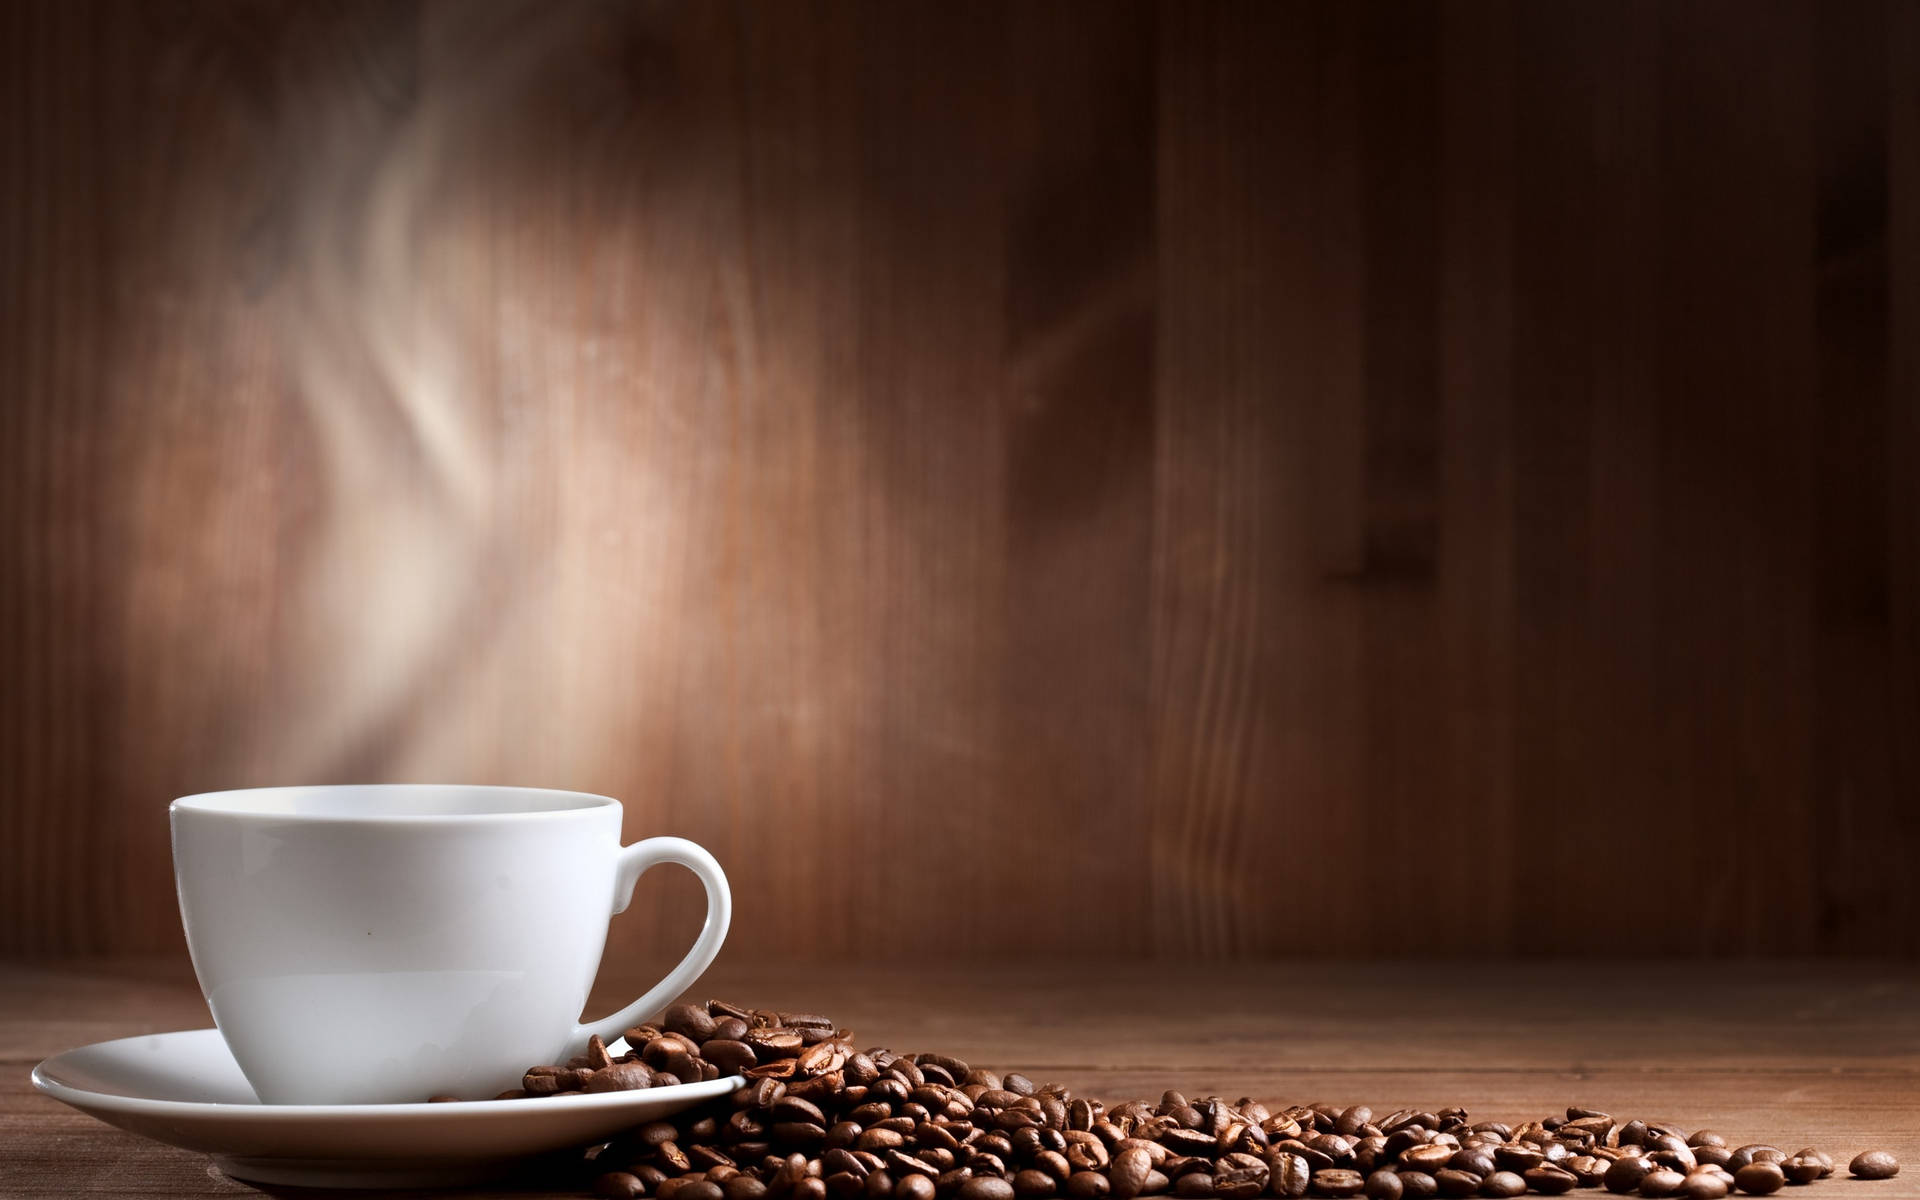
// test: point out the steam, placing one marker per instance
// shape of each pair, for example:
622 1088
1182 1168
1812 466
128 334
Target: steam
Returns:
408 582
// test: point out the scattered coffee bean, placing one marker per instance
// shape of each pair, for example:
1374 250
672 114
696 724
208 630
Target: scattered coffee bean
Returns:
1088 1185
1704 1185
1475 1162
913 1187
1384 1184
620 1077
1758 1152
1760 1178
1626 1173
1874 1164
1678 1158
618 1185
1662 1181
1337 1182
1291 1174
1810 1154
985 1187
1129 1171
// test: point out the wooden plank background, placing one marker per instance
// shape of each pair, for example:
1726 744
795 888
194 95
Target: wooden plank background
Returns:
1068 480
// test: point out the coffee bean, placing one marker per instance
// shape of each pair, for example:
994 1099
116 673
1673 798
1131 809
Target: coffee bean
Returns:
1874 1164
1055 1164
729 1055
796 1108
1678 1158
1418 1185
772 1045
1291 1175
1087 1185
1187 1141
1089 1154
1155 1152
1194 1184
650 1176
1704 1185
1662 1181
744 1187
1757 1152
1475 1161
1503 1184
1032 1183
1337 1182
1626 1174
1520 1157
1550 1180
798 1134
914 1187
548 1081
1240 1177
618 1185
1384 1185
1760 1178
619 1077
700 1189
823 1058
1129 1172
1820 1157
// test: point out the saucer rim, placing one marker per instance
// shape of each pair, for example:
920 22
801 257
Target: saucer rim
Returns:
86 1099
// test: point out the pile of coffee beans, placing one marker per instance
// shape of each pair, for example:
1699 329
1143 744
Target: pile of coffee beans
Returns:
819 1120
702 1042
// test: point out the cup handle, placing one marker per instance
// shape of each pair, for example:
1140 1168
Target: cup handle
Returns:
635 861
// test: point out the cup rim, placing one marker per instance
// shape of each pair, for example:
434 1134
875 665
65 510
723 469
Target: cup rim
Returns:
229 803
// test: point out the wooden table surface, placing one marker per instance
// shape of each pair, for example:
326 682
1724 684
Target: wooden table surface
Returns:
1788 1053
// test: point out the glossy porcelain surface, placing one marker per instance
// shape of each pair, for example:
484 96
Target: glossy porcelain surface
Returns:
380 944
185 1089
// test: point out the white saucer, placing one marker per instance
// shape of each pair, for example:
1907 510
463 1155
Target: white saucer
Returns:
186 1090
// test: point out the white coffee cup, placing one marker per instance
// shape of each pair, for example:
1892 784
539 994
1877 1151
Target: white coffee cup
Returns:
388 942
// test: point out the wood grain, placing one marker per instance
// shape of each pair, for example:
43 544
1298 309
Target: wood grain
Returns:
1775 1052
1219 480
